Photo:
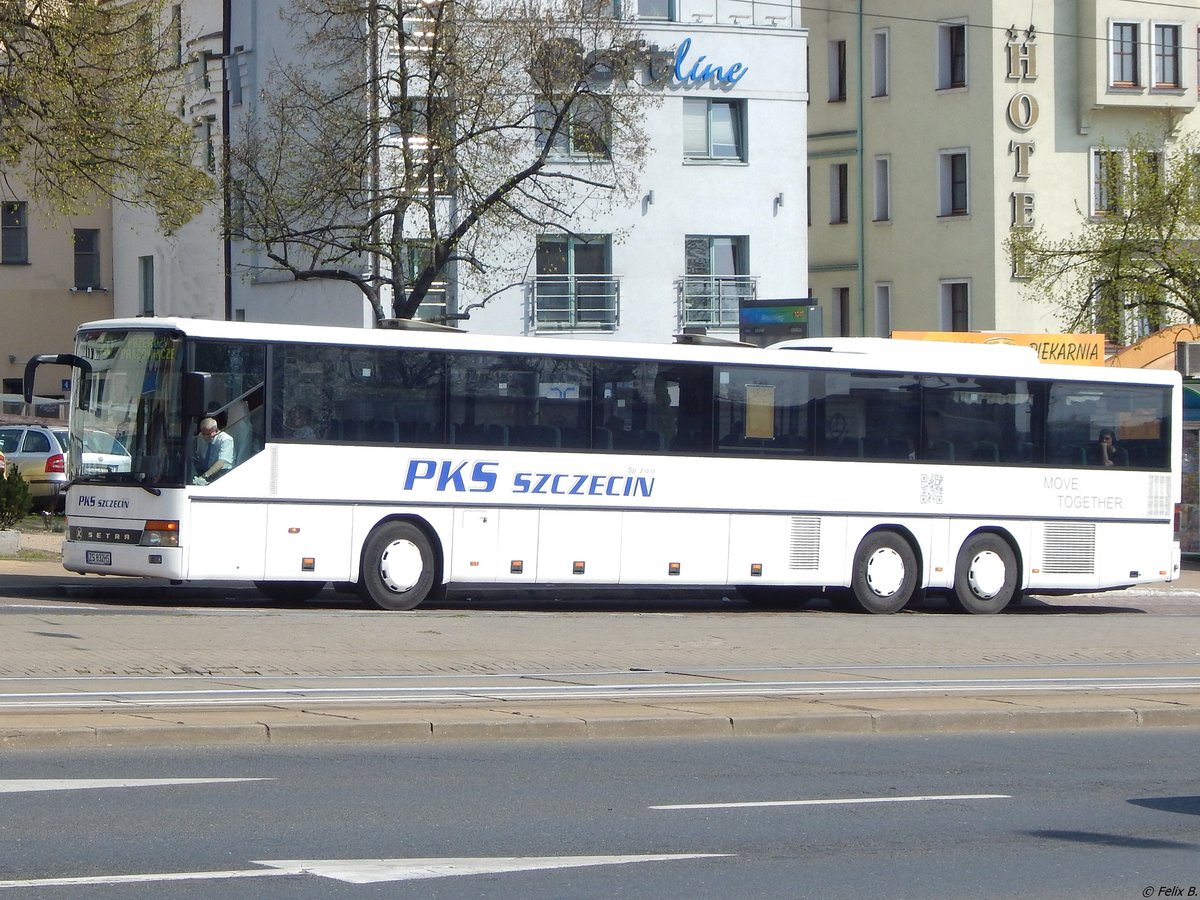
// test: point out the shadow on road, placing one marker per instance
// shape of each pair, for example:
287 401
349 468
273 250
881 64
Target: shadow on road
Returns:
136 594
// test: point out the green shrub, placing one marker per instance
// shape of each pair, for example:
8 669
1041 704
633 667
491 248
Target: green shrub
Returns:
15 502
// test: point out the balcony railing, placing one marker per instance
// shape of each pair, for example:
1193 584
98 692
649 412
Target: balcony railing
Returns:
574 302
713 300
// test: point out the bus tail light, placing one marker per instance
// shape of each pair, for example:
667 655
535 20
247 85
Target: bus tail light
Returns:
160 533
56 463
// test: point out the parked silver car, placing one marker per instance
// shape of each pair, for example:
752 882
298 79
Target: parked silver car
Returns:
40 454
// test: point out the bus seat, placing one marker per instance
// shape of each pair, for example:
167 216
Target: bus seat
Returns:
845 448
985 451
534 436
602 439
491 435
382 431
940 450
1069 456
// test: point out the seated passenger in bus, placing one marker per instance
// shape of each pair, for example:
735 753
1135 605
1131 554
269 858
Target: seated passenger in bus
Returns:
214 452
1107 453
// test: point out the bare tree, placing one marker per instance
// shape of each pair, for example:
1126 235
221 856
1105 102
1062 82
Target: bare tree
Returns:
410 134
1137 255
87 91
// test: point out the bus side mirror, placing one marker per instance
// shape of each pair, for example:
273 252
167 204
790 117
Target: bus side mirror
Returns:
196 394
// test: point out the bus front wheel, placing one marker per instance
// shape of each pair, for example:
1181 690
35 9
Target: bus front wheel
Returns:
399 567
885 573
985 577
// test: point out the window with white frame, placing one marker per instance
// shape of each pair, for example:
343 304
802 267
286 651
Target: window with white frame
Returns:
953 196
714 129
1168 51
1126 54
955 302
146 285
87 258
880 63
883 188
951 55
716 279
839 193
1107 174
656 9
575 288
883 309
837 71
14 232
584 130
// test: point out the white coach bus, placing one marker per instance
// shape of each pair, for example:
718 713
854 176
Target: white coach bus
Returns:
405 461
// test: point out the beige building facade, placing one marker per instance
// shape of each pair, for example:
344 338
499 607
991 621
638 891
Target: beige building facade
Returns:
55 272
935 131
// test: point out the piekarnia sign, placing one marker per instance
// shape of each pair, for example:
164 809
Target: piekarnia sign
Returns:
483 477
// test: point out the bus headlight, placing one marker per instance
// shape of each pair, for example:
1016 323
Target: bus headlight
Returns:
160 533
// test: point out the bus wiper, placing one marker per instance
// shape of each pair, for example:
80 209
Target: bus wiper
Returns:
150 490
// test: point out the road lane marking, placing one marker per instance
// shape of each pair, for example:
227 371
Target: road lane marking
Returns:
370 871
841 801
33 785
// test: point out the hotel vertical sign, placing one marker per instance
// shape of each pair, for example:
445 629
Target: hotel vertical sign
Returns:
1022 113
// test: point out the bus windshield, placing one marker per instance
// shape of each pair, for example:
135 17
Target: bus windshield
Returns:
127 424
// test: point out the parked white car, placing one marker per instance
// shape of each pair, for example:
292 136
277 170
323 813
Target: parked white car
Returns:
103 453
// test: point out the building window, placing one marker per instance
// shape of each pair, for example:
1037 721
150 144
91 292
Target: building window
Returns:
837 71
585 130
1125 62
952 56
210 145
839 193
14 231
1107 176
1168 71
575 288
146 285
956 313
716 279
177 32
714 129
953 198
883 310
883 188
418 255
879 64
87 258
656 9
841 308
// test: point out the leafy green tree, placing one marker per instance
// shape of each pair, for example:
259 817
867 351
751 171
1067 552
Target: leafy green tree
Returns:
15 502
1137 256
409 136
88 107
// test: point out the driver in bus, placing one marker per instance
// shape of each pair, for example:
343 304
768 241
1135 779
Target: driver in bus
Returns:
214 452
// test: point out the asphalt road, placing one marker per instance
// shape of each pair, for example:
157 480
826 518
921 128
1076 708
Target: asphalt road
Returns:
1097 815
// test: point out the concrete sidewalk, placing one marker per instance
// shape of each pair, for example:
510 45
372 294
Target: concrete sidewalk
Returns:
57 660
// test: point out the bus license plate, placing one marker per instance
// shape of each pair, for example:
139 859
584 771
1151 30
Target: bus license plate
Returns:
98 557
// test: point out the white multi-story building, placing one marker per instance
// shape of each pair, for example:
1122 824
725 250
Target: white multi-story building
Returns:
936 129
719 216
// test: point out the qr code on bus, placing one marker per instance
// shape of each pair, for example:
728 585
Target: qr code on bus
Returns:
931 488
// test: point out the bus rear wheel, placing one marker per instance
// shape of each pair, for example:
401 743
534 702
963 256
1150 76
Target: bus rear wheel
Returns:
885 573
289 591
399 567
985 576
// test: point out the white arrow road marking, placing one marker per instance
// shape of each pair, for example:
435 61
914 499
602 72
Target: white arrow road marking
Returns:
30 785
836 802
368 871
371 871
